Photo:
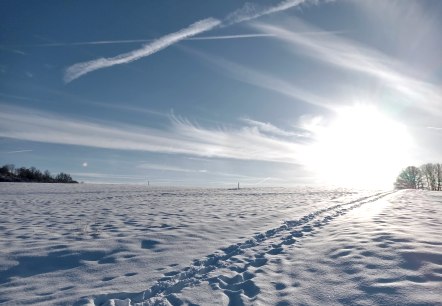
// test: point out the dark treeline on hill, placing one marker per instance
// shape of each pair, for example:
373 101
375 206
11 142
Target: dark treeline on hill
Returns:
8 173
427 176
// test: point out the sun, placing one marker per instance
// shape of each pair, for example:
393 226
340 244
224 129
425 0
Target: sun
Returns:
360 147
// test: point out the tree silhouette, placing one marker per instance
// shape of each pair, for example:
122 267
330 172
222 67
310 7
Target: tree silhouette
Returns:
438 170
409 178
429 174
8 173
63 178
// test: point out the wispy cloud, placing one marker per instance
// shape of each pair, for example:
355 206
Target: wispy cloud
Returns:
268 128
108 176
349 55
245 143
16 51
237 36
77 70
182 136
18 151
78 99
246 13
264 80
133 109
160 167
133 41
252 11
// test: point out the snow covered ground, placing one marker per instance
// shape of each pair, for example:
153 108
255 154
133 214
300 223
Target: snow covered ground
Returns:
123 245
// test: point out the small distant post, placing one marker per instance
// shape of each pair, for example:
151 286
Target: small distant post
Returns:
238 186
148 183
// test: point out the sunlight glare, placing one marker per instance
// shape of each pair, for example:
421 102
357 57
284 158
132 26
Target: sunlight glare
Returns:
361 147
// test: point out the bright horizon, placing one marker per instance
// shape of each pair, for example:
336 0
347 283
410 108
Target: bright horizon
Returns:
274 93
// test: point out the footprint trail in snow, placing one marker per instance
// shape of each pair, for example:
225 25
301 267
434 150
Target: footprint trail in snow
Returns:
230 269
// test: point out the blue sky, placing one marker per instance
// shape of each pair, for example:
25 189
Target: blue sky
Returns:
208 93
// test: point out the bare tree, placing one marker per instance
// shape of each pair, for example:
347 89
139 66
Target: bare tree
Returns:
11 168
429 173
409 178
63 178
47 177
8 173
438 171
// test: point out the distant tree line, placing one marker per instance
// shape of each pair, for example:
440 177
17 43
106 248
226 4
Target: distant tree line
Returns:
8 173
427 176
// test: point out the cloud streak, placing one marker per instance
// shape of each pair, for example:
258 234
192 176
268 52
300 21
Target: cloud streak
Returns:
345 54
159 167
132 41
268 128
18 151
246 13
108 176
252 11
182 137
264 80
79 69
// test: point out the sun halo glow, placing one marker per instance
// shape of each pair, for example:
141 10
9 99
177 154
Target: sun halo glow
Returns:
361 147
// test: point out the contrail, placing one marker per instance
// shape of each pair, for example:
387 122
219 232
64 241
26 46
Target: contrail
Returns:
247 12
231 36
131 41
18 151
77 70
251 11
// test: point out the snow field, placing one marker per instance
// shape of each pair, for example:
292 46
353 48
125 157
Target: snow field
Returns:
62 242
387 252
128 245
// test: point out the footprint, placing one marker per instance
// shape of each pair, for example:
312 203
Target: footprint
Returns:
130 274
258 262
289 241
234 297
108 260
283 303
129 256
171 273
297 234
275 251
307 228
149 244
341 254
280 286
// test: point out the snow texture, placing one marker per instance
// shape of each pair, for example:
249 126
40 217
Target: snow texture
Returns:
138 245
